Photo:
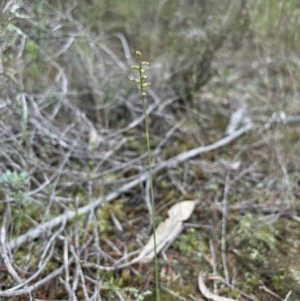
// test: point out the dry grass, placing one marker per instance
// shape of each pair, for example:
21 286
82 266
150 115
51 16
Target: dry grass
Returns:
73 171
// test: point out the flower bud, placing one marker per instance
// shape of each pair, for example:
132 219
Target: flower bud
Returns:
135 67
135 80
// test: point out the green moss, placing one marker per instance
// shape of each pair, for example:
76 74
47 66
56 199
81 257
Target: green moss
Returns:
295 274
257 233
251 279
190 242
278 282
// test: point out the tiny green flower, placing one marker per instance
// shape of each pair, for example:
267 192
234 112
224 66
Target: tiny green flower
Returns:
136 67
136 80
138 53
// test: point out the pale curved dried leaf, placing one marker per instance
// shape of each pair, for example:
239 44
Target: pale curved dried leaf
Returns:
183 210
165 232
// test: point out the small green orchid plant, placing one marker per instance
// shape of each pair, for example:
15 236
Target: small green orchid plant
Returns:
142 86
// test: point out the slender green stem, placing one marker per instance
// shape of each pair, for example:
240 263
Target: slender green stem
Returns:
143 94
152 199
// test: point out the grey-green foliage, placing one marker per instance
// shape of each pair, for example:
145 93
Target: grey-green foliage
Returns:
12 183
258 238
257 231
127 293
